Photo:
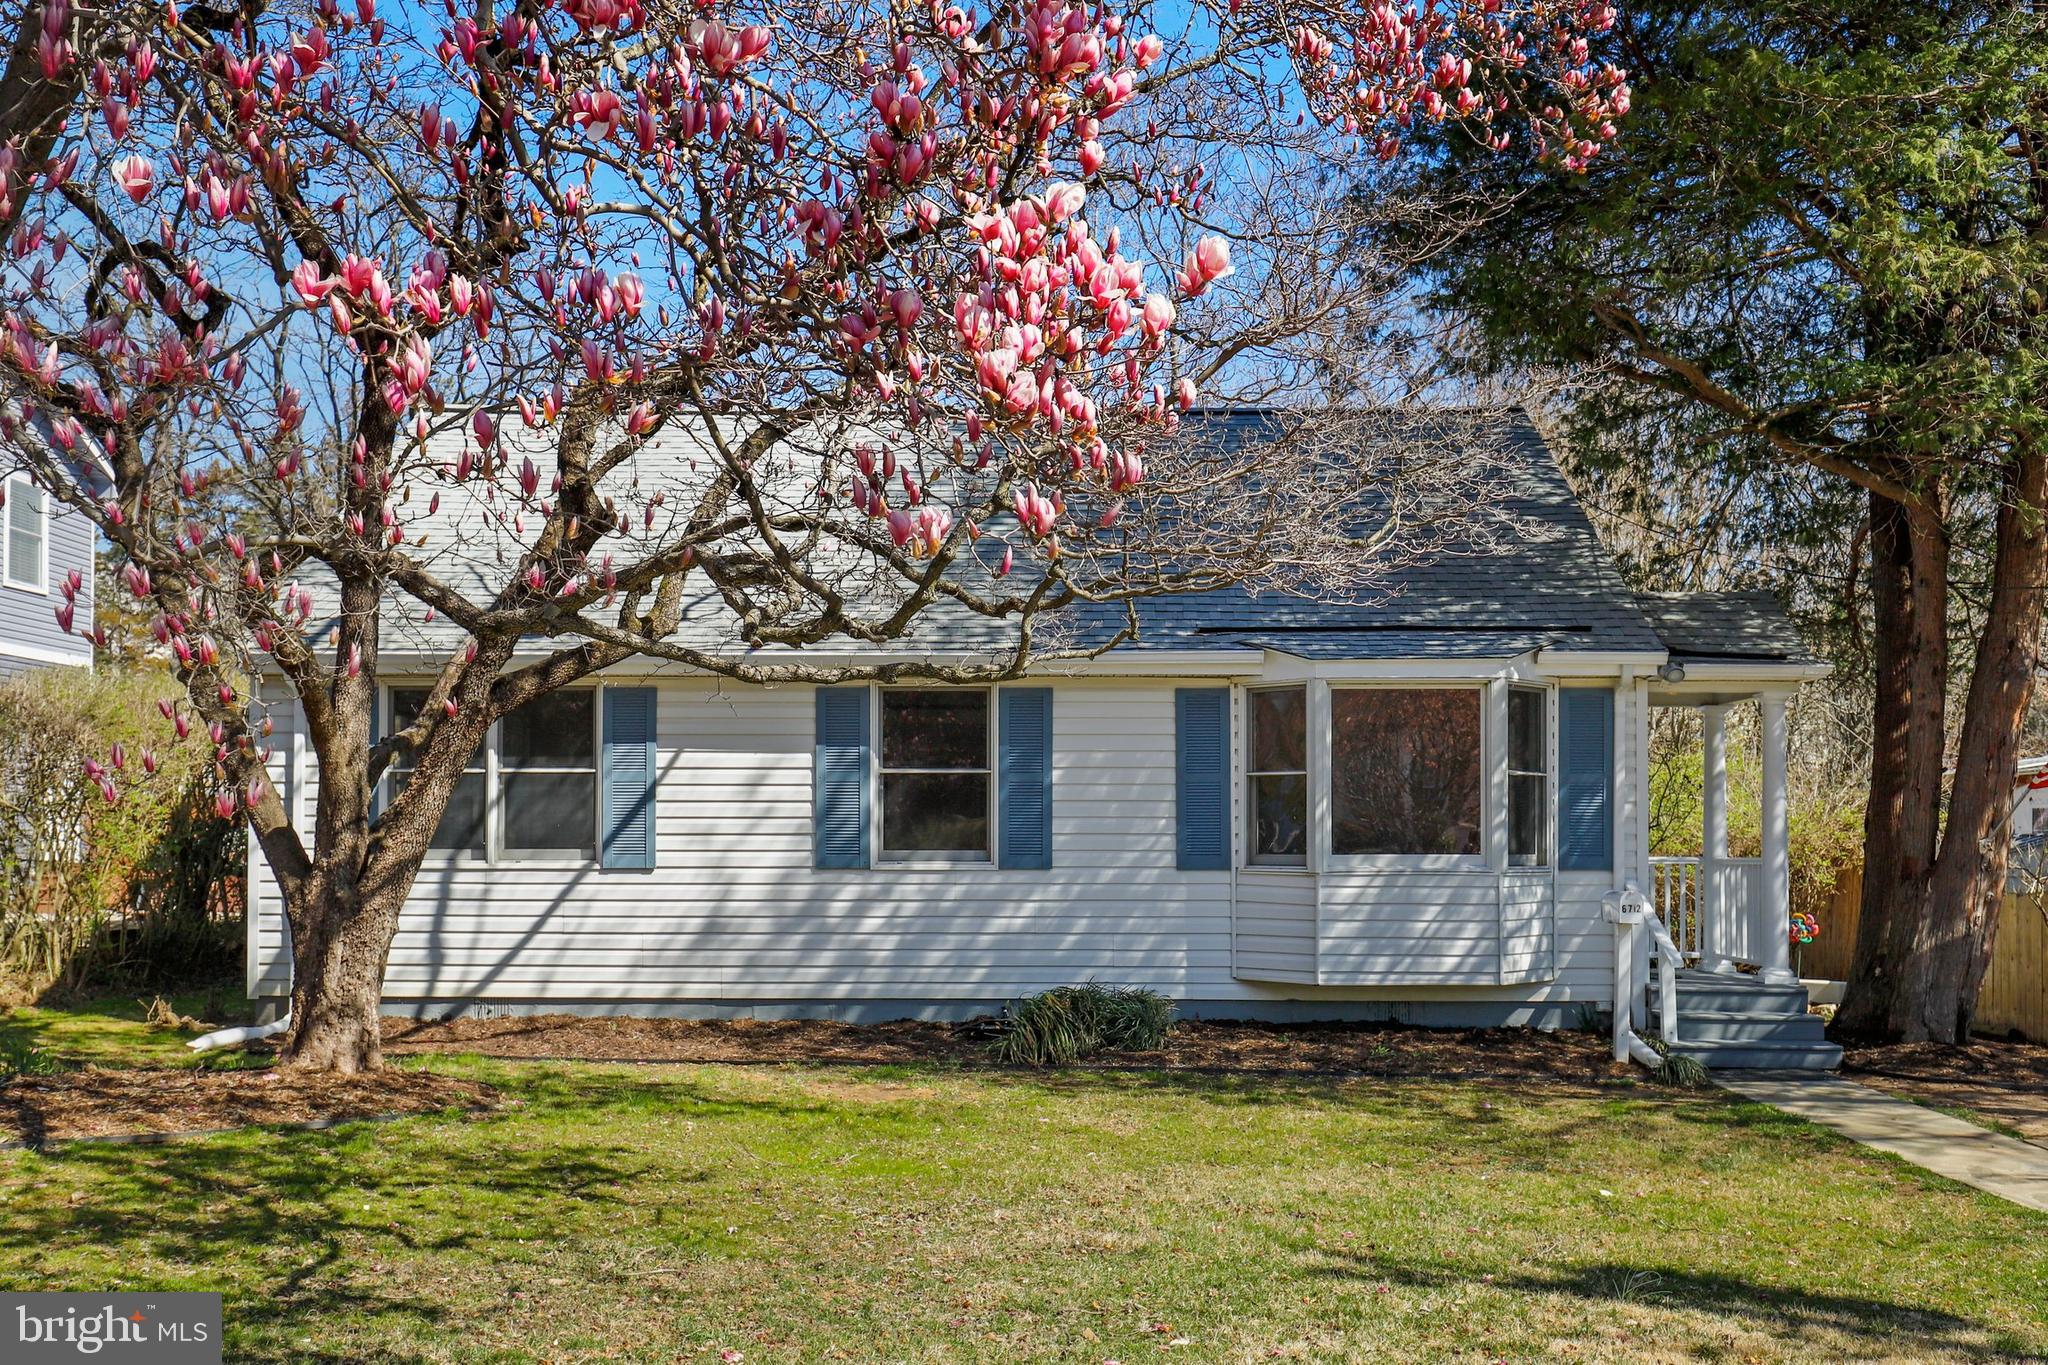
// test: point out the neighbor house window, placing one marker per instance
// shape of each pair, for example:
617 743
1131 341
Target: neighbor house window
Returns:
935 762
529 790
28 535
1528 777
1405 772
1277 775
547 776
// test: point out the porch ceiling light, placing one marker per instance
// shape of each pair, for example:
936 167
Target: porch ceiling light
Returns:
1672 672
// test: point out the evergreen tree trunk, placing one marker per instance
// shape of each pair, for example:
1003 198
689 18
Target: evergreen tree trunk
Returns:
1901 820
1937 997
1932 888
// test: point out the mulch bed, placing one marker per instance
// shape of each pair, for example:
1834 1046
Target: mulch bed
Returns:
2004 1081
98 1103
1194 1045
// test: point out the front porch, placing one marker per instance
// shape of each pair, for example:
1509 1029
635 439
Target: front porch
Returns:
1733 999
1725 913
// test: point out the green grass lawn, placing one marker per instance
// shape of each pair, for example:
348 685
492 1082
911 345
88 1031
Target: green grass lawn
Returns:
924 1214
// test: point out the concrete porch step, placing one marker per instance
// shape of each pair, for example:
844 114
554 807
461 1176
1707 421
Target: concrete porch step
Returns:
1741 1026
1704 991
1738 1056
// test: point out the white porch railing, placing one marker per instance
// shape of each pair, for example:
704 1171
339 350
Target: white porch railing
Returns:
1711 907
1638 936
1677 895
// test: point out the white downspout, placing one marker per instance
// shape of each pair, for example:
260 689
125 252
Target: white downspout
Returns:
228 1037
249 1033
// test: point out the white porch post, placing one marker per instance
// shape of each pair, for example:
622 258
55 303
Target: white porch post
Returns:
1716 932
1773 943
1318 774
1639 762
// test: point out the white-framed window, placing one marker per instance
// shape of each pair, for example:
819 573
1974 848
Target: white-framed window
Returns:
935 774
27 560
529 792
547 777
1528 740
1408 772
1276 776
461 833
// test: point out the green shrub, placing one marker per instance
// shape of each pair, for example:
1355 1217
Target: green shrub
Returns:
1060 1026
132 895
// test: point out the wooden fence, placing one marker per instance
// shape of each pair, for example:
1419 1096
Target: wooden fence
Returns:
2015 994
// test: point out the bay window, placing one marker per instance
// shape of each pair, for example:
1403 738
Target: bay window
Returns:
936 773
530 789
1406 772
1277 774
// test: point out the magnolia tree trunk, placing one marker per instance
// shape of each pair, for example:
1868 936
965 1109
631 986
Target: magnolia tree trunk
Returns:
343 918
343 897
1929 914
341 936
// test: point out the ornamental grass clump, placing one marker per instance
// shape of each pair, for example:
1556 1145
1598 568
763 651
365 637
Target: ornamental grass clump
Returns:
1060 1026
1678 1070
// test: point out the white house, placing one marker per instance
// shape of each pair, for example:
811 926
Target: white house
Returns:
1421 809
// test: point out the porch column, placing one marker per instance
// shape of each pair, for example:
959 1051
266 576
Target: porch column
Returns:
1716 929
1774 912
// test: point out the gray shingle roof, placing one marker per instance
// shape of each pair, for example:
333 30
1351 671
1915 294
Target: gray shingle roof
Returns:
1554 585
1745 626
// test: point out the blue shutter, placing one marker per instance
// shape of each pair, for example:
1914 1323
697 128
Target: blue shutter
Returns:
839 802
1585 779
628 781
1024 777
1201 730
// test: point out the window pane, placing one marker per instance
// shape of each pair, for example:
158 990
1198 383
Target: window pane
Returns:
935 812
940 728
462 820
1280 817
1404 770
1525 820
1280 730
405 709
24 531
550 813
551 731
1525 731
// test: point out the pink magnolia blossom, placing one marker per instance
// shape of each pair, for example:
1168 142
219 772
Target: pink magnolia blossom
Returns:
136 175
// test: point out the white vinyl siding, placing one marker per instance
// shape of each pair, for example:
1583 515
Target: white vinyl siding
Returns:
735 912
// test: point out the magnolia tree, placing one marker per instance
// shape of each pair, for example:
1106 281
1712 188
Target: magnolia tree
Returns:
926 286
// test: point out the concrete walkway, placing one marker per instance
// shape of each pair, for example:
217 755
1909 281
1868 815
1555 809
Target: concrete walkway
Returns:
1962 1151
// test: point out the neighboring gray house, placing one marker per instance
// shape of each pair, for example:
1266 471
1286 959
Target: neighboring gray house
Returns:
44 541
1431 807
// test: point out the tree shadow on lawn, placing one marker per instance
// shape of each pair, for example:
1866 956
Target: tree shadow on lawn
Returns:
1820 1319
294 1227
